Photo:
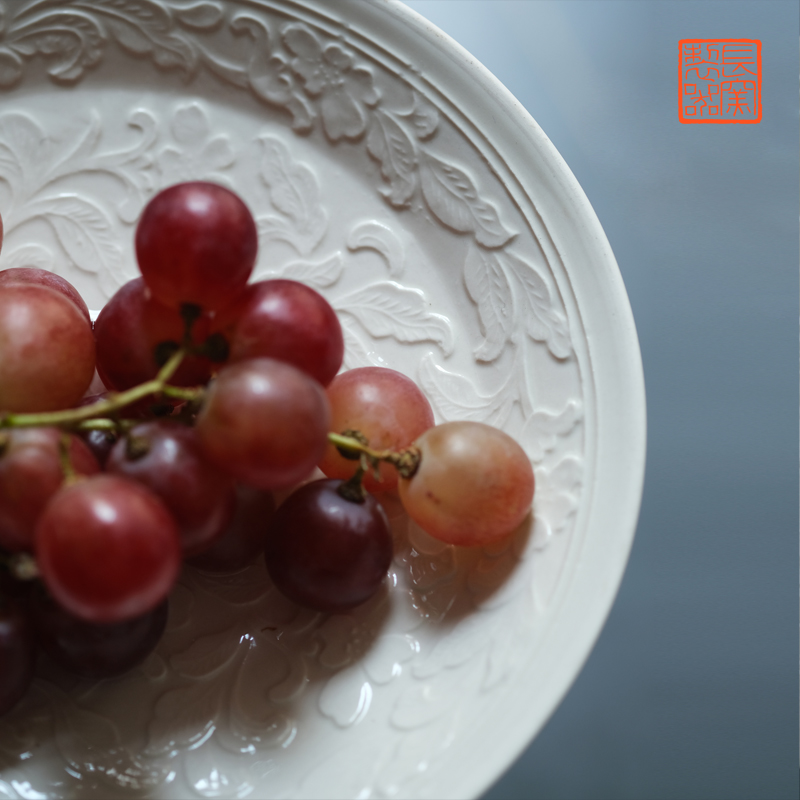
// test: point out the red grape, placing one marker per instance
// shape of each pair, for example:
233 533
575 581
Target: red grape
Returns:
95 650
384 405
291 322
196 243
107 549
130 329
43 277
47 353
30 474
265 422
166 457
326 552
243 540
17 652
474 484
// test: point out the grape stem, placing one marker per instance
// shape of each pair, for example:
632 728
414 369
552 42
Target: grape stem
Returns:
405 461
102 408
22 566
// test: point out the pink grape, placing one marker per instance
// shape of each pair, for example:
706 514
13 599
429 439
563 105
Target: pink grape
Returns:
265 422
167 458
107 548
384 405
43 277
130 329
47 352
326 552
290 322
196 243
474 484
30 474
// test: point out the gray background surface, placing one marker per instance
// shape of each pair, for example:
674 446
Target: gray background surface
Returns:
692 688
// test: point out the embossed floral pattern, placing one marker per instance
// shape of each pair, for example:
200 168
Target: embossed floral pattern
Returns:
197 152
345 90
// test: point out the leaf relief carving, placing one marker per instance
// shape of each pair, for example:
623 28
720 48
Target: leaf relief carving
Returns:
455 397
183 717
74 39
90 745
294 192
200 16
389 309
556 498
319 274
207 656
450 194
357 352
377 236
545 319
83 231
390 145
489 287
424 116
543 429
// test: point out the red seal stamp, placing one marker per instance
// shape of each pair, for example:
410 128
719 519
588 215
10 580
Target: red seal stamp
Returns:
720 81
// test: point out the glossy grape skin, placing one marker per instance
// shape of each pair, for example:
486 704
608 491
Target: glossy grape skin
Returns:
243 539
17 654
107 548
325 552
196 243
474 484
198 495
30 474
384 405
265 422
43 277
128 330
95 650
47 352
290 322
100 443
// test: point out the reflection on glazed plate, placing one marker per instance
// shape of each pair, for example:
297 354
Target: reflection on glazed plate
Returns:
456 246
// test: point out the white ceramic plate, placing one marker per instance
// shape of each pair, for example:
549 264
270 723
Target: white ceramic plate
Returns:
391 171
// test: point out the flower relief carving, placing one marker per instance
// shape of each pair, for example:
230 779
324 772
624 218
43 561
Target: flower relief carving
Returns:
434 636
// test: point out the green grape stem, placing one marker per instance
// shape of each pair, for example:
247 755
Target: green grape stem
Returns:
93 416
405 461
21 566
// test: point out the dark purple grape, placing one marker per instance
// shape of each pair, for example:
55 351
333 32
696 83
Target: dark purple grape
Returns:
326 552
100 443
166 457
92 650
17 653
244 537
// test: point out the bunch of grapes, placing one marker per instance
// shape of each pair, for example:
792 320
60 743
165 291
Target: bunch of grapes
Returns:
218 393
